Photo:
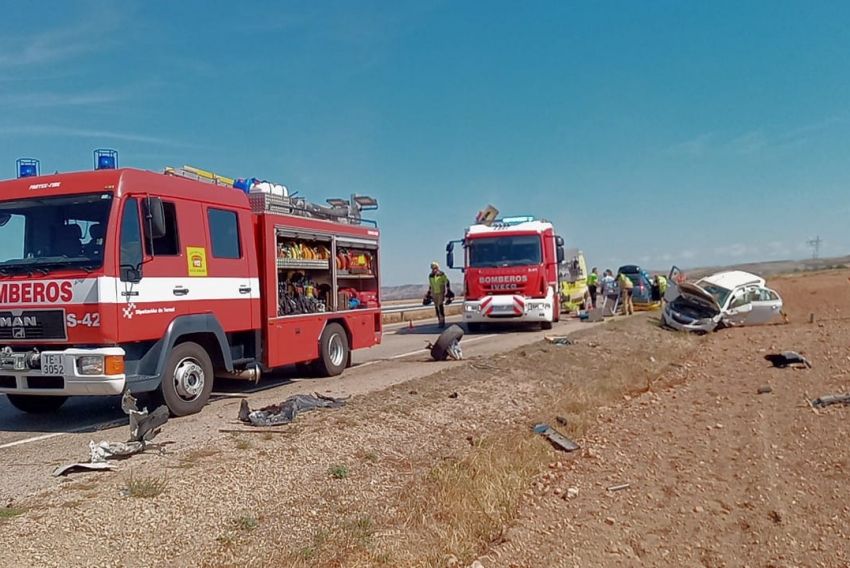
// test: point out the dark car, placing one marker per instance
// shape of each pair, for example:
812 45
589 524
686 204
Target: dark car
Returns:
642 292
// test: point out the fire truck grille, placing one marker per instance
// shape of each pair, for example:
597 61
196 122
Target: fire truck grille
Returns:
28 325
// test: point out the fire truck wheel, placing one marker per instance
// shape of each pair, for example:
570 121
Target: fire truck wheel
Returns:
333 351
545 325
188 379
36 404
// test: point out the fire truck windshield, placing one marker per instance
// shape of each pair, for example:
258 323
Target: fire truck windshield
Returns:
46 233
496 251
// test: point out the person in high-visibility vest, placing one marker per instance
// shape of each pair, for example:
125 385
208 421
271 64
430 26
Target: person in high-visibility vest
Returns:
626 287
592 283
438 291
662 284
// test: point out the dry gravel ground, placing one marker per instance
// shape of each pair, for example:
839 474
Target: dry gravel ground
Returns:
444 470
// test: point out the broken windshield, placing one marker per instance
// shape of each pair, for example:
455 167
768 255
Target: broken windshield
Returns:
491 252
41 234
719 293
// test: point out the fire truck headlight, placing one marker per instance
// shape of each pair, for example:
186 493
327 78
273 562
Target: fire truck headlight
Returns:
90 365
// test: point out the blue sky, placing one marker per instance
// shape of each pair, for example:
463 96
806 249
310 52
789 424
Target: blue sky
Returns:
649 132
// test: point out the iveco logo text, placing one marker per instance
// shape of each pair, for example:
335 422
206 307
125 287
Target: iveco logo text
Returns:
18 321
514 278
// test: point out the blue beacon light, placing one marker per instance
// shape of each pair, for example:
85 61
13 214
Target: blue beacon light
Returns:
105 159
27 167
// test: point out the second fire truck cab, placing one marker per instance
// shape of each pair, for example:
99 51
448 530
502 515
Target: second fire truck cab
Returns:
510 272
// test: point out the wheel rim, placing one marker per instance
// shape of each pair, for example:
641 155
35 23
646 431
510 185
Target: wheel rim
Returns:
336 349
189 379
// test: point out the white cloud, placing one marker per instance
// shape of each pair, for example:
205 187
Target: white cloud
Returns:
695 147
52 130
749 143
48 99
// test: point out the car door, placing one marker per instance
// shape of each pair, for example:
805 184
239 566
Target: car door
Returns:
739 308
766 305
673 278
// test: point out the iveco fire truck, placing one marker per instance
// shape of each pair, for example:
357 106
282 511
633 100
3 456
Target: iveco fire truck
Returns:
510 271
122 279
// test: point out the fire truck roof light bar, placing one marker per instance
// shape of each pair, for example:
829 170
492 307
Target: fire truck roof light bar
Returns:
105 159
515 220
27 167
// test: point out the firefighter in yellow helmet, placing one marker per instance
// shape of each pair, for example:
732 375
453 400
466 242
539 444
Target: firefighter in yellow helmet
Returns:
439 292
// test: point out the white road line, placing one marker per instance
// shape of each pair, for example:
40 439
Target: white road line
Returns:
462 343
33 439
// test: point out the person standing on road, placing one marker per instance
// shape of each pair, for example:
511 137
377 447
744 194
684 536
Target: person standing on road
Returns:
626 287
592 283
438 289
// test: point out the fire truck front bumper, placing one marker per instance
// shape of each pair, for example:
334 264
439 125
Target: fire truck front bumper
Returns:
508 309
69 372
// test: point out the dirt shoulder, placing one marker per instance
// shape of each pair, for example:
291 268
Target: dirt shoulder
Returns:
443 470
418 473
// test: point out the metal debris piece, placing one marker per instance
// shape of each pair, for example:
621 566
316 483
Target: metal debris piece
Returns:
765 389
620 487
285 412
144 427
76 467
830 399
787 359
560 340
558 440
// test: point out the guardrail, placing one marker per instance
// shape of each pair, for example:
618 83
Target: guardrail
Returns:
415 307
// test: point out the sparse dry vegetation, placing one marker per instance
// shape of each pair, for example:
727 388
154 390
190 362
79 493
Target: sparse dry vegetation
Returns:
145 486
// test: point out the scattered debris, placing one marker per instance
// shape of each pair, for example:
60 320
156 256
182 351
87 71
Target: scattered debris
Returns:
447 345
252 431
572 493
454 395
787 359
620 487
561 420
560 340
830 399
557 439
144 427
765 389
285 412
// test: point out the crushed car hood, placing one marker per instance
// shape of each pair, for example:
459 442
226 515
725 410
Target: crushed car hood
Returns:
691 293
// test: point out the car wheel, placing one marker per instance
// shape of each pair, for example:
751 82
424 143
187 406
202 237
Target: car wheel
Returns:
36 404
440 349
333 351
188 379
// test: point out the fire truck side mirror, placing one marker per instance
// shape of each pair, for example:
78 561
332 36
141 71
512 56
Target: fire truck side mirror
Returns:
450 255
132 274
154 218
560 254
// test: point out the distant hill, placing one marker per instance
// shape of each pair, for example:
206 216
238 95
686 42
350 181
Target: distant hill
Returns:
773 267
412 291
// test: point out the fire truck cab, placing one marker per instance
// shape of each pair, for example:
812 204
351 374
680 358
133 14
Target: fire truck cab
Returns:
510 272
126 280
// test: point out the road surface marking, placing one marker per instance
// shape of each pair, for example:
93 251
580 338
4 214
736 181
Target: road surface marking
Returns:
33 439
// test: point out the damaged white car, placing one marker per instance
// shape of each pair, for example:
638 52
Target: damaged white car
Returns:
729 298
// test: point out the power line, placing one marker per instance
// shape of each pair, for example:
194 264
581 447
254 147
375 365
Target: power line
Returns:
815 244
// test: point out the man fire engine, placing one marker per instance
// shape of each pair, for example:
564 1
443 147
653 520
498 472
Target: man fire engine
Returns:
121 279
510 271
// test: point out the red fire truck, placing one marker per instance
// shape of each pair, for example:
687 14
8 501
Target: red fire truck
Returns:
510 271
121 279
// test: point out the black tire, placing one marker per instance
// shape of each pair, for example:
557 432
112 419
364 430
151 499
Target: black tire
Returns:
545 325
187 380
333 351
440 349
36 404
475 327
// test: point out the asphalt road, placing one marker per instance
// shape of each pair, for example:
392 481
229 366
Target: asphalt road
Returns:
31 445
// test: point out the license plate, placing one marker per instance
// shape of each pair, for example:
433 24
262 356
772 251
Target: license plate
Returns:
52 364
503 308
